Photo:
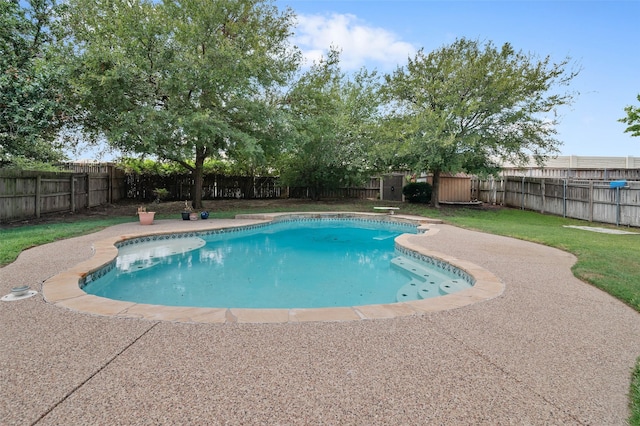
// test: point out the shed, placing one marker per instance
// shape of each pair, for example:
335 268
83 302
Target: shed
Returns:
454 188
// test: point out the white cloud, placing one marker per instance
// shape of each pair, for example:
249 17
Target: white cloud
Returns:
360 44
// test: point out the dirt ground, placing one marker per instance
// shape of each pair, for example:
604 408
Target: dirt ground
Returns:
130 207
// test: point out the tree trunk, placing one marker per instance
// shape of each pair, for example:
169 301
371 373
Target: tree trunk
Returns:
198 174
314 193
435 193
248 186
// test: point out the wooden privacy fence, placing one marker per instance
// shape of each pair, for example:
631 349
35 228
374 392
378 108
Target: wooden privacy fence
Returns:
215 186
180 186
28 194
592 174
363 193
595 201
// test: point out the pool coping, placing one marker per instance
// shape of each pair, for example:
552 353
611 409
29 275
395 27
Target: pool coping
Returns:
63 290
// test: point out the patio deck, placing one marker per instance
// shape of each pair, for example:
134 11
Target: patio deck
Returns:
549 350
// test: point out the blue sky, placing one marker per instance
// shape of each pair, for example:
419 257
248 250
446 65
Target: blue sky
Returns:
602 37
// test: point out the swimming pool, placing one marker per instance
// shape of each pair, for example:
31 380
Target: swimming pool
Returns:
303 263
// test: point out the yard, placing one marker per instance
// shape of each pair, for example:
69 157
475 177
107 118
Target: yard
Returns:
607 261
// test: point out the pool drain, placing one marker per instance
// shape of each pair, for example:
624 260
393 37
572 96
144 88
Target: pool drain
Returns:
19 293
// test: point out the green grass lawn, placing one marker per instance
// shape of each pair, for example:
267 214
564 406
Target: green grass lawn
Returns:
15 239
608 261
634 396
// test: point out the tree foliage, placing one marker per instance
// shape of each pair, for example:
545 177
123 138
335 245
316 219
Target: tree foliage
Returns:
468 105
632 119
210 85
33 82
184 80
147 166
332 118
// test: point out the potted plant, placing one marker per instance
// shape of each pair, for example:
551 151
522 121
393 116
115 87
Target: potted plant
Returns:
145 217
188 213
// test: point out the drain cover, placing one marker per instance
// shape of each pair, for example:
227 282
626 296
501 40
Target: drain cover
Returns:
12 297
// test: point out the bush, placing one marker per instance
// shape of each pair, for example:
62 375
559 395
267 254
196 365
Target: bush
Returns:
417 192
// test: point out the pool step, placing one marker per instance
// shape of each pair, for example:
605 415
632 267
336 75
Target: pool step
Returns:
421 285
453 286
384 237
416 289
413 267
427 290
409 291
147 254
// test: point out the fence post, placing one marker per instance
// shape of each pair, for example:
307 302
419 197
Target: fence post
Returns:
38 194
564 198
494 191
542 194
73 193
522 195
87 202
111 171
618 206
590 201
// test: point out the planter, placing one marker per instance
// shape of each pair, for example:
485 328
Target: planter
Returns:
193 216
185 215
146 218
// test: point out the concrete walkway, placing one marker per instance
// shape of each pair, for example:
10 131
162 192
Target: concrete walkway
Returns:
549 350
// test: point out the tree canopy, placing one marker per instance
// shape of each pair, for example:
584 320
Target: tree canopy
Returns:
196 82
632 119
332 118
33 82
465 106
184 80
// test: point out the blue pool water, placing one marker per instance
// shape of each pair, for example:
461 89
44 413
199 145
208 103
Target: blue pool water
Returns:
294 264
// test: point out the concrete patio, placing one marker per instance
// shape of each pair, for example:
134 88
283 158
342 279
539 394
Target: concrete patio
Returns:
549 350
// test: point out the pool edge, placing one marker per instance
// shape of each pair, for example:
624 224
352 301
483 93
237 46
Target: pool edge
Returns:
63 290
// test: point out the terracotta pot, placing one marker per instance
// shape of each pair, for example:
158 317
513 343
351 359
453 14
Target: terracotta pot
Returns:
146 218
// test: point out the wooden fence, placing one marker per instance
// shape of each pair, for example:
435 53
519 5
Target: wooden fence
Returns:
214 186
593 174
180 186
590 200
25 194
29 194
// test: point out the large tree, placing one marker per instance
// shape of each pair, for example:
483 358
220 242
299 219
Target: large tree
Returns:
183 80
332 118
467 106
632 119
33 82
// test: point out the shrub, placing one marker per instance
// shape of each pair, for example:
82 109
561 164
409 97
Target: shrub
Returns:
161 194
417 192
